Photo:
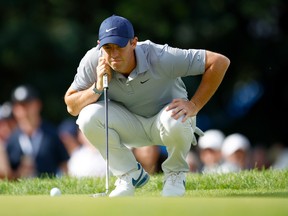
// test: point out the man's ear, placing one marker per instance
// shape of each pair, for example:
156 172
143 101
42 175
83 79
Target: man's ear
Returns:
134 41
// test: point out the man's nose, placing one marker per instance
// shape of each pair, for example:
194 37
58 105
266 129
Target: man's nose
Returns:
114 52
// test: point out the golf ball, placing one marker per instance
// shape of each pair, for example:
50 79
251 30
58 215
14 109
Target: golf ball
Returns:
55 192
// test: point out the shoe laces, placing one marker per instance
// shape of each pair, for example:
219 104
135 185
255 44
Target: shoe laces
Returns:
174 178
125 179
122 180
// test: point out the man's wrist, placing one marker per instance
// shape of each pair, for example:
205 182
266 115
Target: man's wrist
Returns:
96 91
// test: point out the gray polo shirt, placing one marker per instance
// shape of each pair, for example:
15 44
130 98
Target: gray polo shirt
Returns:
155 81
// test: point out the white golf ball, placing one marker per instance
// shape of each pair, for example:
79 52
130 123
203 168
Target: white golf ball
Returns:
55 192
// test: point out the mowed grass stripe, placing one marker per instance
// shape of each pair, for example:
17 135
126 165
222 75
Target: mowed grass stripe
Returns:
84 205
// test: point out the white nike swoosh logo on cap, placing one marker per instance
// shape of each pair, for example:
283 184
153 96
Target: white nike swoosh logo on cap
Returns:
108 30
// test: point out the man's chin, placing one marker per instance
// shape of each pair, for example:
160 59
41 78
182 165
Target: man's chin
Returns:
115 67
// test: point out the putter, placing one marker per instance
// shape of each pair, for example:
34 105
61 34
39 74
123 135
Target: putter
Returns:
105 86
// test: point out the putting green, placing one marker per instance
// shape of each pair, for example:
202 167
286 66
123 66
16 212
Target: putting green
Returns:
84 205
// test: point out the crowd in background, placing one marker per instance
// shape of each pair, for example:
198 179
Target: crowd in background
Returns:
31 146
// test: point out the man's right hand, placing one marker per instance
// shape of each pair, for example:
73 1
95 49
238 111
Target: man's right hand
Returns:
102 69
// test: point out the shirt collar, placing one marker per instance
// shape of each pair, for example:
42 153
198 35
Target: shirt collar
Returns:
142 64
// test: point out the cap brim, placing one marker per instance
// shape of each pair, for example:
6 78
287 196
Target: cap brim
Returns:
120 41
209 146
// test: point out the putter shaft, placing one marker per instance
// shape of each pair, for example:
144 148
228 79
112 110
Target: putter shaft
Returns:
105 85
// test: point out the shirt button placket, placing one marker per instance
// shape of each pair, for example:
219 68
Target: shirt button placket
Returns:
129 88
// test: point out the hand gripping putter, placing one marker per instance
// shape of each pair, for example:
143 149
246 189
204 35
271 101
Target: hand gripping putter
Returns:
105 86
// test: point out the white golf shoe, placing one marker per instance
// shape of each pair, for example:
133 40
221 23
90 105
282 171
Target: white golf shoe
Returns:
126 184
174 184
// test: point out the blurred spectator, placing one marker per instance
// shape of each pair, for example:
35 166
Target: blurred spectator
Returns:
34 148
148 157
85 160
7 124
193 161
235 151
259 157
282 160
210 145
151 157
281 156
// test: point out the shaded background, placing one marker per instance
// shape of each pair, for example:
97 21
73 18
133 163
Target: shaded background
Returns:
42 43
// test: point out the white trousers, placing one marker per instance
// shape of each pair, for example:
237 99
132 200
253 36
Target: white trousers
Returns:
126 129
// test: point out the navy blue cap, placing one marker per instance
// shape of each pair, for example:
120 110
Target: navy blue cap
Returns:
115 30
24 93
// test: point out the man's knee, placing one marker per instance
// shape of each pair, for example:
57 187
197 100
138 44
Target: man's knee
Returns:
90 116
172 125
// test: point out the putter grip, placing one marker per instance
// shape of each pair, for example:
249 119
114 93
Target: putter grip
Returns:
105 81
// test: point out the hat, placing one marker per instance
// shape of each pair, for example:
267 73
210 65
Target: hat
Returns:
6 111
212 139
24 93
115 30
235 142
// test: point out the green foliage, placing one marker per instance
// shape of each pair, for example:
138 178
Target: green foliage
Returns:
42 43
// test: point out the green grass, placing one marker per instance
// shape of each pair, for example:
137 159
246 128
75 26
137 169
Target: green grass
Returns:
246 193
258 183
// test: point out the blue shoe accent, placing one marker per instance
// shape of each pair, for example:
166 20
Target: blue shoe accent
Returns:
142 179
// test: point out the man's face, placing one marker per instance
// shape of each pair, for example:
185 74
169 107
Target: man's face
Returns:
210 157
27 110
120 59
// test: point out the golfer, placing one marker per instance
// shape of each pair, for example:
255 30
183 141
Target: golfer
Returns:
148 102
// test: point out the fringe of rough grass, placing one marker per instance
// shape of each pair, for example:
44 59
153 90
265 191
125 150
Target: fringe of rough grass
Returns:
245 183
254 179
